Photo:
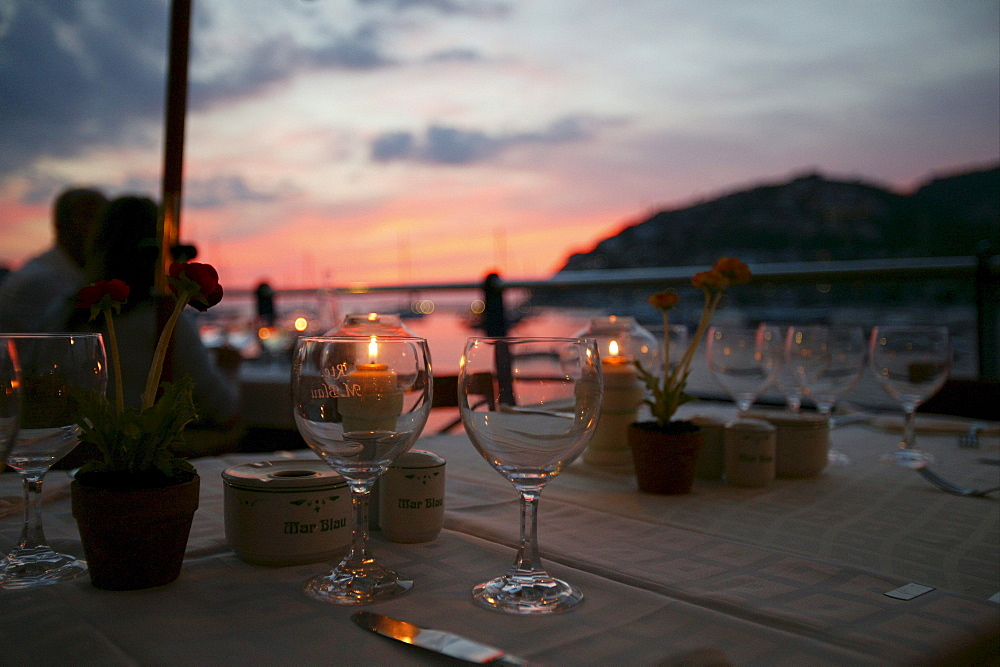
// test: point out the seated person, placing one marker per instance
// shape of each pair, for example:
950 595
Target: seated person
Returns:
125 247
53 277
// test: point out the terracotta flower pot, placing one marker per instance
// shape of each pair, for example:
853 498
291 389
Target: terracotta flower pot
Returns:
664 456
134 538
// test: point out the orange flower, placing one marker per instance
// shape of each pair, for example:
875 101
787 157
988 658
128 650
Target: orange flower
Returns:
710 281
733 269
665 394
664 300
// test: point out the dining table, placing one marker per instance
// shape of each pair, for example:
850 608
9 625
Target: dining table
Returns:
810 571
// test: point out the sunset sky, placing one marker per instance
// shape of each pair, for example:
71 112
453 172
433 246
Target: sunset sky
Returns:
381 141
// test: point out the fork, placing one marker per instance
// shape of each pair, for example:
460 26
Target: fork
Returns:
970 439
950 487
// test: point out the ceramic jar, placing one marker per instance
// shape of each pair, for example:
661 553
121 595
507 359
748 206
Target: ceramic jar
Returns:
802 442
287 512
750 451
412 497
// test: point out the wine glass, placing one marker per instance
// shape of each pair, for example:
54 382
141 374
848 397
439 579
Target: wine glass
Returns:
776 356
545 402
57 369
10 397
826 361
359 403
739 359
911 363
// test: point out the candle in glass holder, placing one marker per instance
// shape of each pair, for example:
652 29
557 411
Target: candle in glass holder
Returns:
371 399
620 403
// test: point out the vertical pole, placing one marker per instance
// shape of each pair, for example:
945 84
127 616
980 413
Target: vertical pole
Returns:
173 135
173 159
495 317
987 315
496 326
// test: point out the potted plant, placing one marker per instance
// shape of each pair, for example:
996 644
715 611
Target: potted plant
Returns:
664 450
134 503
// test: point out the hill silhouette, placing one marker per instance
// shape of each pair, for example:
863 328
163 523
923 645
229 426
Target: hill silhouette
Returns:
812 218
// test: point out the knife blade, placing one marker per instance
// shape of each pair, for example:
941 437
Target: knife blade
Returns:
446 643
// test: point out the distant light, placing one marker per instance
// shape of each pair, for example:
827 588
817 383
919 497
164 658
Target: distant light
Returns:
478 307
301 323
263 333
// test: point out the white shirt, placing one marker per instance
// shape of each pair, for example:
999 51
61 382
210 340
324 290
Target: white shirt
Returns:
45 284
216 396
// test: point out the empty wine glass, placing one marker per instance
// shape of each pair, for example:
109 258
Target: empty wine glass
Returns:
826 361
739 360
359 403
776 357
10 397
911 363
544 406
56 370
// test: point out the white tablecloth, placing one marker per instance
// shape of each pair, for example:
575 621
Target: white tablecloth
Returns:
794 573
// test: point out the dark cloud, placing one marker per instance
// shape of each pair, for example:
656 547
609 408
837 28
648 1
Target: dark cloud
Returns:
280 57
450 145
393 146
74 75
472 7
223 190
216 192
460 55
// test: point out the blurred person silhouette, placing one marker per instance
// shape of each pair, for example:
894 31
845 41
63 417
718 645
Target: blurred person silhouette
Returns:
54 277
265 304
126 247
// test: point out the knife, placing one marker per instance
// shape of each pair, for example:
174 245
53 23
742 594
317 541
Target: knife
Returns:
447 643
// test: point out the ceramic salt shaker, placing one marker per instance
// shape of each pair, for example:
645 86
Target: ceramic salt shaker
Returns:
711 458
411 497
802 442
749 451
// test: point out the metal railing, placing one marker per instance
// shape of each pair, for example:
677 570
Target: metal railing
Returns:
982 272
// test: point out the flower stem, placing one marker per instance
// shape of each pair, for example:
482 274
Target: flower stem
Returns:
156 369
666 343
116 361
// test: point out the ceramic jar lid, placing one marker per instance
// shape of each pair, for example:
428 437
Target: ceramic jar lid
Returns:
283 474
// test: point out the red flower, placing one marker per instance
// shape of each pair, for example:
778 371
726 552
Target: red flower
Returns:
201 281
664 300
204 303
114 292
711 281
195 277
734 270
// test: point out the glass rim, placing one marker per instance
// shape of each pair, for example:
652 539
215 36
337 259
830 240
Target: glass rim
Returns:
531 339
54 334
360 339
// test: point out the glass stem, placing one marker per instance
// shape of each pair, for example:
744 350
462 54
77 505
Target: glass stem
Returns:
32 535
359 556
528 561
909 429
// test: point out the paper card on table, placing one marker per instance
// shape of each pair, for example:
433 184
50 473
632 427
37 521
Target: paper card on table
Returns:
909 591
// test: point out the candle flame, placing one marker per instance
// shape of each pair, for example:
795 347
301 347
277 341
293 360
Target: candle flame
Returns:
372 349
613 348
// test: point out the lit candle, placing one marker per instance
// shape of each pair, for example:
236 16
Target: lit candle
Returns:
371 400
620 403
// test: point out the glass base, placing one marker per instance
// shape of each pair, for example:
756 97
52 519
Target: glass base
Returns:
345 585
527 595
909 458
25 568
837 459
